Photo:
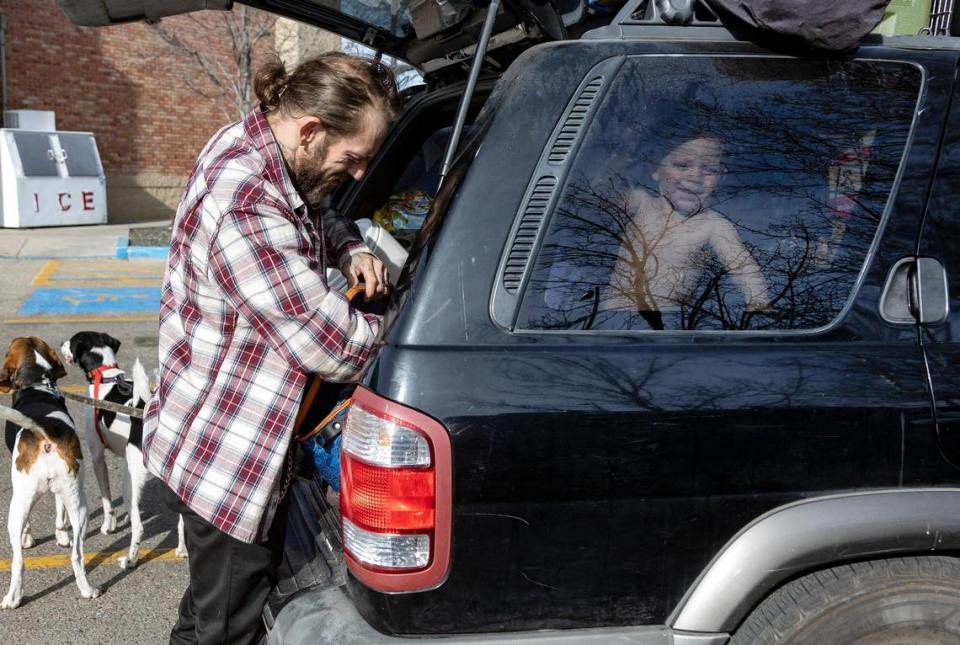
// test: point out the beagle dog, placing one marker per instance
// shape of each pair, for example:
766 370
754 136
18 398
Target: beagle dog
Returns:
50 462
96 354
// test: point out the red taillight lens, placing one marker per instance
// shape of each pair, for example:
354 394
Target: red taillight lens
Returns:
395 500
395 497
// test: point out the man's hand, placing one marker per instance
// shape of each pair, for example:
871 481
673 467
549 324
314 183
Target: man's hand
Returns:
368 267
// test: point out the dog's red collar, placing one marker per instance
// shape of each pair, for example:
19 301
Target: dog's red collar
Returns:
96 374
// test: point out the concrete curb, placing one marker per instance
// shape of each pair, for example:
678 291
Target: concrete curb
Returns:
127 252
77 242
26 254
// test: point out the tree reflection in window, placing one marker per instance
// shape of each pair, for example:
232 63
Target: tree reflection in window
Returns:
764 223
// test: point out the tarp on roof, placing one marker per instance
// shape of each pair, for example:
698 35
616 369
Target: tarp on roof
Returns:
828 26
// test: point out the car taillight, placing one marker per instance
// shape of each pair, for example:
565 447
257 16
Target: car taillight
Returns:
396 495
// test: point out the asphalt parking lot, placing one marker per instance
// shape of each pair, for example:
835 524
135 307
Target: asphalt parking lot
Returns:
52 299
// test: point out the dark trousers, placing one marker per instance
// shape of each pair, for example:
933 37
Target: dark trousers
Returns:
229 580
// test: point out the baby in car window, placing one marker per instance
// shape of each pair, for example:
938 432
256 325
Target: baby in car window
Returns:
667 241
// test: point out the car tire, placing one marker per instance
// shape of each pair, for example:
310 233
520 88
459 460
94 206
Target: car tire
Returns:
894 601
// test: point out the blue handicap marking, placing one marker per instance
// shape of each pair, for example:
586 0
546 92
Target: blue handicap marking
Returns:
91 300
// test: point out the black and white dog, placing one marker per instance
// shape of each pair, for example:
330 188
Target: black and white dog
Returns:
96 354
47 461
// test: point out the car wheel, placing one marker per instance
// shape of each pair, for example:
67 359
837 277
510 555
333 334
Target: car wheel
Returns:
912 600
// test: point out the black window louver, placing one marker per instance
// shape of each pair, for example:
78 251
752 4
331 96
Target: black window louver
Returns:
574 123
526 236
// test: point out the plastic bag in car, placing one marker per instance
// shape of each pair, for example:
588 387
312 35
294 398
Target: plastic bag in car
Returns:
326 459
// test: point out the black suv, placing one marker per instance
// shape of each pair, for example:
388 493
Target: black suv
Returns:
670 359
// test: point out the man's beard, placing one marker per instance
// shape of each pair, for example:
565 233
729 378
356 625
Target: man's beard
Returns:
313 182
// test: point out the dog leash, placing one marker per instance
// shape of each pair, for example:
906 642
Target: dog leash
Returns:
128 410
330 426
137 413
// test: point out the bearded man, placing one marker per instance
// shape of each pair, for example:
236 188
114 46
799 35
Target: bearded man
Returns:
246 314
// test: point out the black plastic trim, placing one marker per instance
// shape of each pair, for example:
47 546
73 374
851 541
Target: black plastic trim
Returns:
574 122
544 188
528 230
327 616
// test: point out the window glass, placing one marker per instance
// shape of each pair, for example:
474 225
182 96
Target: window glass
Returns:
390 16
413 193
36 154
440 206
723 193
81 154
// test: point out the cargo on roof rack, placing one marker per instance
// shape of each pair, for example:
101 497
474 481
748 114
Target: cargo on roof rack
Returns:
823 26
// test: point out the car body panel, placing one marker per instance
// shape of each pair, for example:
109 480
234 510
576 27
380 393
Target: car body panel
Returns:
596 492
941 342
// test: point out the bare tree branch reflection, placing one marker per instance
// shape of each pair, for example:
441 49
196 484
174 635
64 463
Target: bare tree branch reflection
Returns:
810 156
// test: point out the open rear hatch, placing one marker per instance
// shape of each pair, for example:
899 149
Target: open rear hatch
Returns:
431 35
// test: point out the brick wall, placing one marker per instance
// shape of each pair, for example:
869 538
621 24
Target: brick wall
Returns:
149 106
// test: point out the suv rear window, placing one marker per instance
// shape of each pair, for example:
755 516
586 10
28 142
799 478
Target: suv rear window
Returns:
723 193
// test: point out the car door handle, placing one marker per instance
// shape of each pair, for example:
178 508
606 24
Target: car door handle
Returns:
915 291
929 283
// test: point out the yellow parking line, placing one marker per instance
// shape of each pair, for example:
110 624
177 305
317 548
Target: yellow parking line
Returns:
79 319
57 283
74 282
110 273
97 557
44 276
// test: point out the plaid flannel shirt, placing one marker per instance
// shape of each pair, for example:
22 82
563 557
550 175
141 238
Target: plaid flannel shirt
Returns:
245 315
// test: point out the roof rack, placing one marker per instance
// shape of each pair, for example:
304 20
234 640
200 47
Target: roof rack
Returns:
670 12
697 13
696 19
660 18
